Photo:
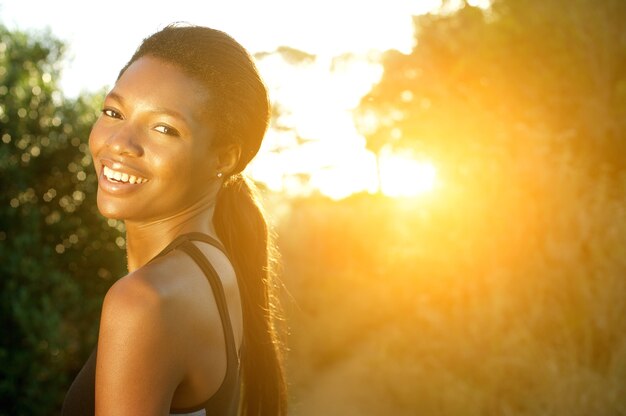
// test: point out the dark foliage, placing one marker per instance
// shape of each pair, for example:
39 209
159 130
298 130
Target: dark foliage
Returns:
57 254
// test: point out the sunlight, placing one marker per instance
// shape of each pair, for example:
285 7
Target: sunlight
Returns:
404 176
316 147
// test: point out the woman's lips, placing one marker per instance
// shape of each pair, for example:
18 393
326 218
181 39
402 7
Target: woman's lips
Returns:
122 168
116 178
123 177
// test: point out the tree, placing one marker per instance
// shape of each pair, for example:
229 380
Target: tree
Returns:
57 255
487 84
523 109
285 138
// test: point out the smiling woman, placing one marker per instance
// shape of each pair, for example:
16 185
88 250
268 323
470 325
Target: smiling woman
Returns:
159 135
191 324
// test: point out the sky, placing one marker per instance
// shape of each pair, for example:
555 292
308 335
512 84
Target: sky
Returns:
319 96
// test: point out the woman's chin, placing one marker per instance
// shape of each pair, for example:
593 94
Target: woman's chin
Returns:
110 210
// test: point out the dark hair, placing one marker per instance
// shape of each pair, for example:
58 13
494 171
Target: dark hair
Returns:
239 112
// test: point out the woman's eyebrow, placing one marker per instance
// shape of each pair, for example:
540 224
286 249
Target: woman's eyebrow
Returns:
169 112
155 110
115 96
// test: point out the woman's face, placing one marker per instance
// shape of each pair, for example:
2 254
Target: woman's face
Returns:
151 144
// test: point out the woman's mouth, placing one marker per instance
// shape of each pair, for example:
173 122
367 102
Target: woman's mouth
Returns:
121 177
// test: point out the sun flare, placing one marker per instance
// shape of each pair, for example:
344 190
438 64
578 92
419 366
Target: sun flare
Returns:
404 176
313 145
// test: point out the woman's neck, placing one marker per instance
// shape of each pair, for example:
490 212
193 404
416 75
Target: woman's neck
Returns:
145 240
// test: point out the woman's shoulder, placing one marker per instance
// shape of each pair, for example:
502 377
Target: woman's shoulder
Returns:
145 335
170 300
156 286
136 302
145 313
170 288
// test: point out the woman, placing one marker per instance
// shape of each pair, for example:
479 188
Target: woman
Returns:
189 329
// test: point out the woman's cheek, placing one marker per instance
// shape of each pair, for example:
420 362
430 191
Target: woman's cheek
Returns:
96 140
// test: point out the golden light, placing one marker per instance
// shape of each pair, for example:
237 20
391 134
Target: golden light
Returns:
404 176
317 147
321 151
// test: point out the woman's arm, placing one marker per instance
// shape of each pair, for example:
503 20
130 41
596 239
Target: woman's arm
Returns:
139 363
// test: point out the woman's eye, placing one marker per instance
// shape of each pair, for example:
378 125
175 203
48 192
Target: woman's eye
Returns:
109 112
170 131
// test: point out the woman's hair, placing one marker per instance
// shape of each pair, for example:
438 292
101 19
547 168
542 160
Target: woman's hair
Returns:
239 112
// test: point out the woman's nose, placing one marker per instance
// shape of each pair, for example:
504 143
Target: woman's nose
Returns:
125 141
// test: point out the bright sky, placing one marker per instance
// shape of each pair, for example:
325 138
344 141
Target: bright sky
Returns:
102 35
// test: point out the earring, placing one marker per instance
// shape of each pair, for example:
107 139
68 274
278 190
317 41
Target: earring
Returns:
220 174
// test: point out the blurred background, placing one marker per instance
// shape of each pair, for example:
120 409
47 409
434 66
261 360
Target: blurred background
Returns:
446 181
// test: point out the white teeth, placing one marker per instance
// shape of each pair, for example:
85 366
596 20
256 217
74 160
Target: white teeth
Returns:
121 177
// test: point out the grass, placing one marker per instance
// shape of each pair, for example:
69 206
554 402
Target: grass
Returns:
499 296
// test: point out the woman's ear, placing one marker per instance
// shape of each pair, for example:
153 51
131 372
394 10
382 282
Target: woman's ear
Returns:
228 157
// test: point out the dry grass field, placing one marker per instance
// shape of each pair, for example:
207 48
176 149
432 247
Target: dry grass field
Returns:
495 298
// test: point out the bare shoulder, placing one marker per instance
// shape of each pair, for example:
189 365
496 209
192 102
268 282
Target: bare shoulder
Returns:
172 293
133 293
140 362
150 293
161 331
140 310
135 296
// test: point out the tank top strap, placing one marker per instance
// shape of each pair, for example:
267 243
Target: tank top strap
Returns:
216 285
184 243
222 397
193 236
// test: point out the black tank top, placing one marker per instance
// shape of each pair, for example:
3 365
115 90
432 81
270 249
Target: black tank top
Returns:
80 398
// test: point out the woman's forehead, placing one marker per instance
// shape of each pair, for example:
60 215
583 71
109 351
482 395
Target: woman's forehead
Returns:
153 82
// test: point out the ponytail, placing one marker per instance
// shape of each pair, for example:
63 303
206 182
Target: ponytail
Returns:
241 226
